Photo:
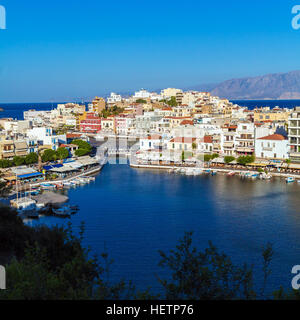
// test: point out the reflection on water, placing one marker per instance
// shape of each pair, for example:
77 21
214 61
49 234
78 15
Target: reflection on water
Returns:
134 213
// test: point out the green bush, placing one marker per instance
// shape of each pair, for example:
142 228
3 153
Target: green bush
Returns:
244 160
229 159
18 161
31 158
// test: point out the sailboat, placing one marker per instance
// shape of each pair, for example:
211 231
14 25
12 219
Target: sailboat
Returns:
24 204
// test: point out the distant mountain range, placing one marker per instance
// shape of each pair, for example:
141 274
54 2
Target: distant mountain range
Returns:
277 86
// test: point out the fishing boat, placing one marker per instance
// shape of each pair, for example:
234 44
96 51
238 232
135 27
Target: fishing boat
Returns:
254 176
47 186
63 212
290 180
230 174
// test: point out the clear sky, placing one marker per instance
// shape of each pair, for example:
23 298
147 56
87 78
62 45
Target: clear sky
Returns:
67 49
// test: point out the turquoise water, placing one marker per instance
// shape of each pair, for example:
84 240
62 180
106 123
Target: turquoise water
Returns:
134 213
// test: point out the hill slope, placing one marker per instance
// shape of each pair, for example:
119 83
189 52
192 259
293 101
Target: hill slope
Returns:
271 86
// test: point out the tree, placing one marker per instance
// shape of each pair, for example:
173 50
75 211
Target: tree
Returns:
82 145
204 275
31 158
229 159
244 160
81 152
207 158
194 146
6 163
51 263
62 153
141 101
18 161
49 155
84 148
172 102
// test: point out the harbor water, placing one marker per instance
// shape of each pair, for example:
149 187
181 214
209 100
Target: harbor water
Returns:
134 213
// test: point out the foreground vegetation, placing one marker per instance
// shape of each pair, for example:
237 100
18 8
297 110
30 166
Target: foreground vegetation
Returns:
45 263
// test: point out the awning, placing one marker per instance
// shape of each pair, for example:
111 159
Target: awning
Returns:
10 178
22 170
47 168
75 165
294 166
63 169
30 175
256 164
218 160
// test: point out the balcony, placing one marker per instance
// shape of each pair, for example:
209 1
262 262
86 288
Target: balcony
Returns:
228 144
267 149
294 155
245 138
245 149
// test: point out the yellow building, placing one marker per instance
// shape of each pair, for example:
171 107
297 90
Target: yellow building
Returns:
99 104
170 92
271 116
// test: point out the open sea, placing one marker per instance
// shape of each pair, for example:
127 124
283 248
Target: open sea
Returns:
134 213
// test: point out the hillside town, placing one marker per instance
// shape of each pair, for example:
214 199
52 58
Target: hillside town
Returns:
171 127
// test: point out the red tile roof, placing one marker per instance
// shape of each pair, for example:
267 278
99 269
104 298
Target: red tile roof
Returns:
208 139
274 137
153 137
183 140
73 135
187 122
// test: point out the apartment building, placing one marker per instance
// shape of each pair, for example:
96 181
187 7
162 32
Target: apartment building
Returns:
294 135
245 140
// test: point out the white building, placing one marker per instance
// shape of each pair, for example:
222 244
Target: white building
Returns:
142 94
113 98
44 136
275 146
151 142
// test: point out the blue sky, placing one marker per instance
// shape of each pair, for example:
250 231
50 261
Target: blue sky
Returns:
65 50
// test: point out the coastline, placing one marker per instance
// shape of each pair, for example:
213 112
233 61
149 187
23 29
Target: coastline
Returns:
237 171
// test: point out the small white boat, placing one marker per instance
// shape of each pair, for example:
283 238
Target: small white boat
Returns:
197 172
230 174
47 186
189 172
290 180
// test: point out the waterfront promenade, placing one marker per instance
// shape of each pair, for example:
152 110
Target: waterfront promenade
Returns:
215 169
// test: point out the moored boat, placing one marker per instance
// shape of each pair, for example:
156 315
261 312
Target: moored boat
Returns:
290 179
